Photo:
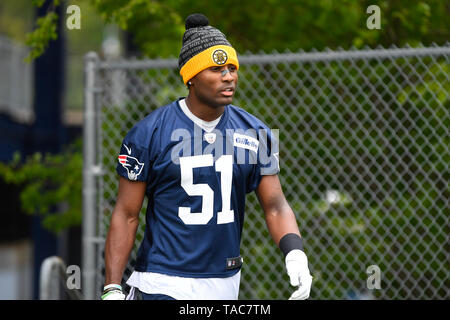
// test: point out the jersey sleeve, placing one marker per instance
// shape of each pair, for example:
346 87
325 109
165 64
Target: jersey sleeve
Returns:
268 157
135 157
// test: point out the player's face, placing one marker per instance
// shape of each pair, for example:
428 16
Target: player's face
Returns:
216 86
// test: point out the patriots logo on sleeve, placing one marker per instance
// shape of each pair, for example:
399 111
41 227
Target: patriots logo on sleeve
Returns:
131 164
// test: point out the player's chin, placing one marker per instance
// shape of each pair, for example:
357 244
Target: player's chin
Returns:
224 100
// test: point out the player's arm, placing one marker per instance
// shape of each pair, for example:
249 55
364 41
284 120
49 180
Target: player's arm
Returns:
282 225
122 230
280 218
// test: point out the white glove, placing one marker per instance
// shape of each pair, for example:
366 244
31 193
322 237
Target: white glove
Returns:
297 269
113 292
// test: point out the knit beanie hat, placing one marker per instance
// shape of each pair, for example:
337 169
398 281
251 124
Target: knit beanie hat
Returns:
203 46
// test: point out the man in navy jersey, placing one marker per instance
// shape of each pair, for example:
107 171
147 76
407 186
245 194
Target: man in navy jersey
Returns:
196 159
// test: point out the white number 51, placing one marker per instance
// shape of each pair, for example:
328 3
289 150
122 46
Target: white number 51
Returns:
224 165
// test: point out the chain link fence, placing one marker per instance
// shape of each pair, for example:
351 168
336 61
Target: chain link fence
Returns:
364 154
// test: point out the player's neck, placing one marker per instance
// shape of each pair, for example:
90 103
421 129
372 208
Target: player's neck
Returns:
202 110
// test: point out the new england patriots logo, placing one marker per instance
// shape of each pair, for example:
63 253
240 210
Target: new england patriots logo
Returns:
131 164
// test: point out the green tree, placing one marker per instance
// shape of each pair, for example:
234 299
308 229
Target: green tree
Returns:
51 185
157 26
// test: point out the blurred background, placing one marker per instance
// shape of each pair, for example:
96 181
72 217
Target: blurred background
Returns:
369 191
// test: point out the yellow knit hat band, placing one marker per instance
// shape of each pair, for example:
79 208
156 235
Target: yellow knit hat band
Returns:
213 56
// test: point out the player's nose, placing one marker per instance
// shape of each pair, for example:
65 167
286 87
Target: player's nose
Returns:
226 74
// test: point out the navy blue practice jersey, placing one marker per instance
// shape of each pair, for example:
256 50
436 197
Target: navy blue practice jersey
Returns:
197 183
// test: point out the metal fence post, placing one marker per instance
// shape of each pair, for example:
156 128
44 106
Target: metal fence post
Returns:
89 179
53 274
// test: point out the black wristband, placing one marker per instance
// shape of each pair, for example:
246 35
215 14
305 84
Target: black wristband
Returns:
289 242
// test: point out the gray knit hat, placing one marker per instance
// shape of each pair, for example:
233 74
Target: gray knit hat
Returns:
203 46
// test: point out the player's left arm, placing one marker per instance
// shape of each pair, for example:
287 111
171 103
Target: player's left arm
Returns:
280 218
283 228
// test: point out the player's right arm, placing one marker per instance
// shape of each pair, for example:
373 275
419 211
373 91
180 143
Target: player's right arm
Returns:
122 229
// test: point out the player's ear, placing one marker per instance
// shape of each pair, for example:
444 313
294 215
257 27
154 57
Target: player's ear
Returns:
189 84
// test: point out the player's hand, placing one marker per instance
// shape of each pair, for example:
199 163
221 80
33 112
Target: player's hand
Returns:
297 269
113 292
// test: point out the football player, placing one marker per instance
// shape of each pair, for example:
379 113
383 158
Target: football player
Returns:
196 159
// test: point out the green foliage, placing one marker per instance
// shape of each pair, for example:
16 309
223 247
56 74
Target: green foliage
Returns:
51 185
157 26
280 24
39 39
45 31
38 3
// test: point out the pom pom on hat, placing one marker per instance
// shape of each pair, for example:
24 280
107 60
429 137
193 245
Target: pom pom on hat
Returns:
196 20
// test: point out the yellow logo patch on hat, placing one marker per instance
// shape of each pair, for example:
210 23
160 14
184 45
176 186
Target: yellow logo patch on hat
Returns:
219 56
